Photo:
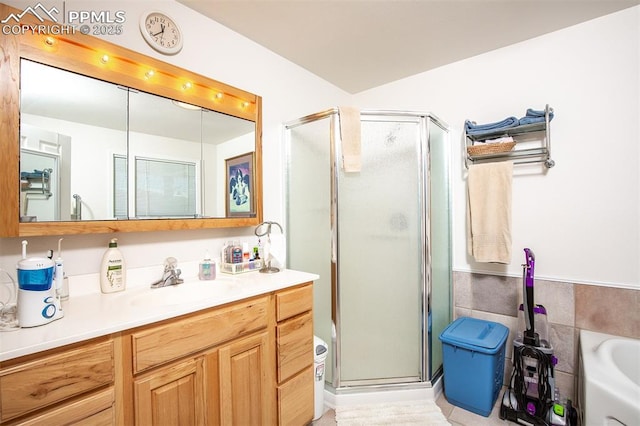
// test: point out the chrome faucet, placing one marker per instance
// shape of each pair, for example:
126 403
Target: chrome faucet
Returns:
77 208
171 274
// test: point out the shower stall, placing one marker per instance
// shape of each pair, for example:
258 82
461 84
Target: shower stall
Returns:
379 239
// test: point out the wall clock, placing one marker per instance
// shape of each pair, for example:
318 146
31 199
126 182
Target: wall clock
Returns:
161 32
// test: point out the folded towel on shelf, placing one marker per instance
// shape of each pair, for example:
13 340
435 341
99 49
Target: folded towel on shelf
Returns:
35 174
535 116
530 120
504 139
489 212
350 135
538 113
474 129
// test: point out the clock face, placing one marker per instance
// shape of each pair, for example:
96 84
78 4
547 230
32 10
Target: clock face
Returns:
161 33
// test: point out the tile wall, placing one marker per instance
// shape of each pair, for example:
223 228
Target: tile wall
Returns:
570 308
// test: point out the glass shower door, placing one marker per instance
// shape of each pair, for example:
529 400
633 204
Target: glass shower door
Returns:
308 226
440 242
380 228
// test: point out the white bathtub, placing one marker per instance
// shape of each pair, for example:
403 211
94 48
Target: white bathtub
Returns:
609 380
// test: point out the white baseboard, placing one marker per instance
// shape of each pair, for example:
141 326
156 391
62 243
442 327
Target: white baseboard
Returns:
331 400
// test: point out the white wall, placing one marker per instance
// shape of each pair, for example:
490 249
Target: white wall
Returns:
582 217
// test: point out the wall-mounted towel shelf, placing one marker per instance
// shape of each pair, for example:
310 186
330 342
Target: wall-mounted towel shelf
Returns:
535 132
36 182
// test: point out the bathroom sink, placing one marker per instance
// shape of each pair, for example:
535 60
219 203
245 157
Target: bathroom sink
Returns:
186 293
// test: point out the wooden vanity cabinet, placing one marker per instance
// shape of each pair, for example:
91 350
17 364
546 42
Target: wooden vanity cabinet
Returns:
249 362
228 385
211 367
69 385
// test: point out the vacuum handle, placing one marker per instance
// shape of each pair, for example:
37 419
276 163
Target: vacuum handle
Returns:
529 266
527 293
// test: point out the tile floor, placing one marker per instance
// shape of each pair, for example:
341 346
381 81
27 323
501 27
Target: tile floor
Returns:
457 416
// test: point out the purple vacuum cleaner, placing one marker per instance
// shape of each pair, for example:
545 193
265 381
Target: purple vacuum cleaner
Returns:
532 398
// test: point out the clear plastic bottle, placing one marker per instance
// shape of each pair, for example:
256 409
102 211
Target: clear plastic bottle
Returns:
207 270
223 252
236 256
246 254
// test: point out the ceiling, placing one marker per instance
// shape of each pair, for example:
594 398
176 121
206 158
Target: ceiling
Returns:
360 44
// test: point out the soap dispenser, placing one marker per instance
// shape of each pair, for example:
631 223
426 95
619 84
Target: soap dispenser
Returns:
207 270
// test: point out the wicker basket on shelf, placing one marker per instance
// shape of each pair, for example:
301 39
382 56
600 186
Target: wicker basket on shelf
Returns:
490 148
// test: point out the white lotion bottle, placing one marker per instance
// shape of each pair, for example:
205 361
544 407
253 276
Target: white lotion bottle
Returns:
113 274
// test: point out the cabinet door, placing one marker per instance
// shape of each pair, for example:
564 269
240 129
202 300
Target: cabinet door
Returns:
172 395
246 382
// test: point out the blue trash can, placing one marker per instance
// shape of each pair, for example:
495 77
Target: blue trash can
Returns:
473 362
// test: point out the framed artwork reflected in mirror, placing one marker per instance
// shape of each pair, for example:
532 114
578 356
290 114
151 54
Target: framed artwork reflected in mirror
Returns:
240 186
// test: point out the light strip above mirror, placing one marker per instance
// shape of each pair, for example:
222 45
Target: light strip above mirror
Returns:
195 88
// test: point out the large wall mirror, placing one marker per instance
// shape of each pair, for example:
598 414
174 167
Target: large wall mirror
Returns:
93 150
108 140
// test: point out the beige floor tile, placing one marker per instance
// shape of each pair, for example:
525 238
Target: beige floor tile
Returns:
457 416
327 419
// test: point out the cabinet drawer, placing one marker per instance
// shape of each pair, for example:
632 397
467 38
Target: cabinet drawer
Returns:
36 384
295 399
295 345
290 303
163 343
94 410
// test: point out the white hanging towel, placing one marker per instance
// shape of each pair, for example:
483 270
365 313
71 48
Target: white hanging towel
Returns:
489 212
350 135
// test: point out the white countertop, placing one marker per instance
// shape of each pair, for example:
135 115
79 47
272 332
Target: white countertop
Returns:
89 313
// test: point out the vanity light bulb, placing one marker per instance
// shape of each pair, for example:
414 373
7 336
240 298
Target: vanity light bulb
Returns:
49 41
149 74
245 104
187 85
104 59
219 95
